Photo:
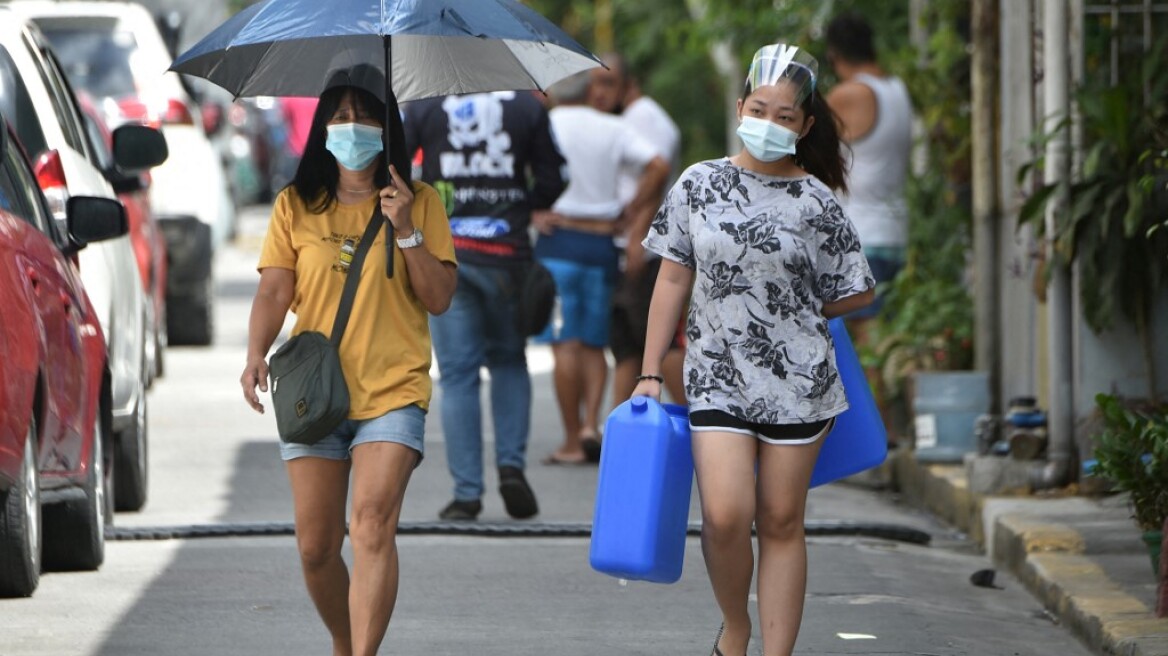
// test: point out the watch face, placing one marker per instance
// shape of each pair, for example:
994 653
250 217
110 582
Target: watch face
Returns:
411 241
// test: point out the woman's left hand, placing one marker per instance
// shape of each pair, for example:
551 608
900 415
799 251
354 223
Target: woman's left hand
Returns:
397 204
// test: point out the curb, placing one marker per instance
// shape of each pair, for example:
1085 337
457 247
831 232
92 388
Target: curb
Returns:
1047 557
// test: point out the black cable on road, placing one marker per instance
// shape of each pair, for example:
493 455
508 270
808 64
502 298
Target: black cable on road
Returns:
893 532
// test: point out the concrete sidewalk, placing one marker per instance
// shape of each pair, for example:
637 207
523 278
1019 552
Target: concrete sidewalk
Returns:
1081 557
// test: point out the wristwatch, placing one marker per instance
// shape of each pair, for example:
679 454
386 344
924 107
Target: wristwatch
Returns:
411 241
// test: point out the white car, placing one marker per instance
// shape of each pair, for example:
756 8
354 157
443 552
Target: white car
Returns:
113 50
38 102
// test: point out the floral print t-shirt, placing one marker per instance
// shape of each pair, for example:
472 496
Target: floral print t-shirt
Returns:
767 253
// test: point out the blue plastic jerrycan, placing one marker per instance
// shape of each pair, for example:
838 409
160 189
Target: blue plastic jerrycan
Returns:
858 441
643 492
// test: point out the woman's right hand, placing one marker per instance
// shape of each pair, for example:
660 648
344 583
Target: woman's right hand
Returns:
256 373
650 388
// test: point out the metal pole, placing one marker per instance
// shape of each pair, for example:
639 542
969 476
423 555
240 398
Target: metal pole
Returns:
987 341
1056 106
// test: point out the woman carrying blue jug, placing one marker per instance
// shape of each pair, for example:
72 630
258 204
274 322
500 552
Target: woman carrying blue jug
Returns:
762 252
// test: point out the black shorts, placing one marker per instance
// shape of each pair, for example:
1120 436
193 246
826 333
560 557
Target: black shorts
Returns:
630 315
716 420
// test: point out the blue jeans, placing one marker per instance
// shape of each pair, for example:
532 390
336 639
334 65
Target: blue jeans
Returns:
479 330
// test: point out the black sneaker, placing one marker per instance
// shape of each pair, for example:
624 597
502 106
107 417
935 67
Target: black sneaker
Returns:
461 510
517 495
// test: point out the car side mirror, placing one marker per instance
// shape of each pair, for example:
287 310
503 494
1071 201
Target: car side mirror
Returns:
137 148
91 219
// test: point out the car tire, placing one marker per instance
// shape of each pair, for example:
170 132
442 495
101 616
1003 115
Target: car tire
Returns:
20 527
130 461
75 527
160 342
189 319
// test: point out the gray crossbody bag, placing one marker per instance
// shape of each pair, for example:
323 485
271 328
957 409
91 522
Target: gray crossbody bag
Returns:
308 387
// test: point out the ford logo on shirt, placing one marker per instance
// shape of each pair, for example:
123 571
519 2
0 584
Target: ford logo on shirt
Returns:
479 227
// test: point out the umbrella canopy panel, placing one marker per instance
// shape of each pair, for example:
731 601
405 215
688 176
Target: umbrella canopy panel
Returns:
291 47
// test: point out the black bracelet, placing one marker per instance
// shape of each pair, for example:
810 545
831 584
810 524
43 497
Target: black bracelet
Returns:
655 377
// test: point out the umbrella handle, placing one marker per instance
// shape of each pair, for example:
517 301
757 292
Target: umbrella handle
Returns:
395 145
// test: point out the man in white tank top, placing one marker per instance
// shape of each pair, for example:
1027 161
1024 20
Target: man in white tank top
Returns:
876 116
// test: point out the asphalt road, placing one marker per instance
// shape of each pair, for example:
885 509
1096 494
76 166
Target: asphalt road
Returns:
214 461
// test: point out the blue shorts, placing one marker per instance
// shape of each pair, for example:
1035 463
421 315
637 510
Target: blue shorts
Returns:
885 262
583 303
405 426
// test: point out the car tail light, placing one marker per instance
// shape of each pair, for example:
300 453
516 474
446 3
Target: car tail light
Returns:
50 175
133 110
136 110
177 113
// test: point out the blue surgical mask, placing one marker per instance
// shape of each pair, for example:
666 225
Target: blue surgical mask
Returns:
354 145
766 141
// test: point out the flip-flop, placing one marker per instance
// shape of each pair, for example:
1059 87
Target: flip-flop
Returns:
591 447
553 459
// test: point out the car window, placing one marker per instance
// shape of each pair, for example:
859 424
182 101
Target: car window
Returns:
17 107
96 59
18 191
101 152
63 104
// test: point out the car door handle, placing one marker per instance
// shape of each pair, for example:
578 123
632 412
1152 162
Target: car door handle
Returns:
33 278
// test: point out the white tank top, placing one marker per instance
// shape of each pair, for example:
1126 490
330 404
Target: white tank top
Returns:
879 165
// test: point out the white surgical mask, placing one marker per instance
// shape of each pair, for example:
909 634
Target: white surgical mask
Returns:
766 141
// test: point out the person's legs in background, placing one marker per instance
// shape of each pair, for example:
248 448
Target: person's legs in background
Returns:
460 349
567 368
886 263
506 359
593 329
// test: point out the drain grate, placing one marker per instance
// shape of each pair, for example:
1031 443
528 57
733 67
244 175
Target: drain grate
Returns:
893 532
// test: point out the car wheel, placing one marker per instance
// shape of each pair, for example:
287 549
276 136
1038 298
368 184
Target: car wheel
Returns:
75 527
20 527
189 319
131 482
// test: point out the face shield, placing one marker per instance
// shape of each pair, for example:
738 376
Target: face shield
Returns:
779 63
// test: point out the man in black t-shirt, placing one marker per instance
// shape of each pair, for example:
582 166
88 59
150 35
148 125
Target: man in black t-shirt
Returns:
493 159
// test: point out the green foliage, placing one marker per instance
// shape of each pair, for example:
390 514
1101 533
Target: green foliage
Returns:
1132 452
670 50
1118 199
927 320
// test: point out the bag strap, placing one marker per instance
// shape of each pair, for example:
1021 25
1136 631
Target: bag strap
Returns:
354 276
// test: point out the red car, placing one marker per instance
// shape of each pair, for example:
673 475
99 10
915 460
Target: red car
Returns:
54 382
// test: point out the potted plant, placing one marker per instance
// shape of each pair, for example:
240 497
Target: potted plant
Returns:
1132 453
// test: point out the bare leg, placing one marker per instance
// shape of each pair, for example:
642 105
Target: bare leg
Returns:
381 471
725 471
319 489
624 379
568 376
595 367
783 476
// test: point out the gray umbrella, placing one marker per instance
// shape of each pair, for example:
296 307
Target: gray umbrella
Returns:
431 47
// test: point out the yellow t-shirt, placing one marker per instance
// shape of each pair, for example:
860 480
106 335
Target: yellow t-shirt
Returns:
385 352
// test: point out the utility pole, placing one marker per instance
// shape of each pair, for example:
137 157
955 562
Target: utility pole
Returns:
983 92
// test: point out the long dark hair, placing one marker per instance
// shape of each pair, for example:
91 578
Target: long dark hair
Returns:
317 176
820 153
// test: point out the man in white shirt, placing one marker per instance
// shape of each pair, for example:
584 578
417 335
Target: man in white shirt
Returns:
576 245
617 91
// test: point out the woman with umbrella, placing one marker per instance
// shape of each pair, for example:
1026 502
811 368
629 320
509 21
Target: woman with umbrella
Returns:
317 221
